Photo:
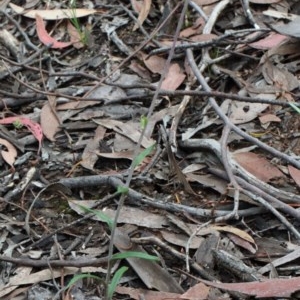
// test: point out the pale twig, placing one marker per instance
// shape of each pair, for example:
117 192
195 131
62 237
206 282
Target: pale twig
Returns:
187 247
232 180
248 13
233 127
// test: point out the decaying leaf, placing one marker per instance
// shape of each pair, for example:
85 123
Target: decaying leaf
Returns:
242 112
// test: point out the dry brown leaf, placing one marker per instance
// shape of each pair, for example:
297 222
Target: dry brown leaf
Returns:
242 112
265 289
154 63
181 239
203 37
158 116
143 14
50 124
76 105
270 41
147 294
242 234
267 118
54 14
14 281
89 157
199 291
117 155
258 166
74 36
174 78
10 155
242 243
295 174
125 129
280 78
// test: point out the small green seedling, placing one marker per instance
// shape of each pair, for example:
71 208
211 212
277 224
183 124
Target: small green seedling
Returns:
140 157
18 124
83 33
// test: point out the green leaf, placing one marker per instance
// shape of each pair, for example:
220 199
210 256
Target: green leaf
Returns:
129 254
137 160
295 107
81 276
114 282
144 122
102 216
122 189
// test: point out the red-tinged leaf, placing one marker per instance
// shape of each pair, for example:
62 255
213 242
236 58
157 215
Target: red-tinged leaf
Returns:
45 38
10 155
258 166
269 288
33 127
269 42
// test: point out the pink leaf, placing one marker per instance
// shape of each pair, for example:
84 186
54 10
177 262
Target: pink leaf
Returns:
33 127
269 288
45 38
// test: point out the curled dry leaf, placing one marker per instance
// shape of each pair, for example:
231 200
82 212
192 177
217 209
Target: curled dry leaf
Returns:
45 38
241 233
49 122
10 155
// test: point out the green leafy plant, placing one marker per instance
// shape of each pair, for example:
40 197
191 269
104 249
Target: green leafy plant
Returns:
83 33
295 107
128 254
123 191
141 156
111 286
18 124
102 216
114 282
